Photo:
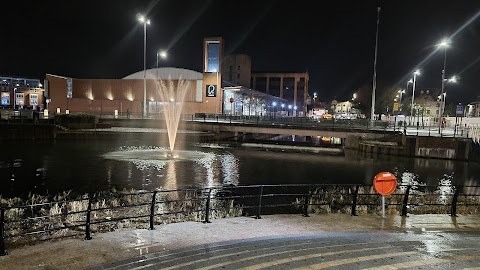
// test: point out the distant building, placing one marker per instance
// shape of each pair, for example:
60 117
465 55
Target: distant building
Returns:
289 86
17 92
426 105
218 89
473 109
343 107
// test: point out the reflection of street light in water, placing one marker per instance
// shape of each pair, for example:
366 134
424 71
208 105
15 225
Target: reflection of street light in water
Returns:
274 104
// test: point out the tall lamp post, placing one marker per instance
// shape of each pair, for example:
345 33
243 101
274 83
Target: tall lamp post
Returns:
401 92
372 112
444 95
163 55
145 21
443 44
417 72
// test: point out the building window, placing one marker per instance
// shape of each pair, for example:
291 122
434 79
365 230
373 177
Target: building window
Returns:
238 75
33 99
213 56
238 68
5 98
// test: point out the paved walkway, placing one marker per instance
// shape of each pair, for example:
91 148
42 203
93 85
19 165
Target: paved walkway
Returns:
273 242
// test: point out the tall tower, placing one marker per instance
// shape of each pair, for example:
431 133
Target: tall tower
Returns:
212 75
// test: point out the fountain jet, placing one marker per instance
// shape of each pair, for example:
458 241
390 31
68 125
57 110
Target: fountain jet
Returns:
172 96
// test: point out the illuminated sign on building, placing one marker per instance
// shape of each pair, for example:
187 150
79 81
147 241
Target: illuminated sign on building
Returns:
5 98
211 90
69 88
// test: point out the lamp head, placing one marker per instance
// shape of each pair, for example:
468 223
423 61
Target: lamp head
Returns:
444 43
162 54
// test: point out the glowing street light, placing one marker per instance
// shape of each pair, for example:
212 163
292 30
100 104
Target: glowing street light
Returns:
145 21
453 79
401 92
163 55
443 44
443 96
417 72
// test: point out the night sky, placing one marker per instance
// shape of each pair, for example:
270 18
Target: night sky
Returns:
333 40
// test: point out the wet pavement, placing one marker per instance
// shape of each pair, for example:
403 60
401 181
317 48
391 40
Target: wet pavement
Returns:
274 242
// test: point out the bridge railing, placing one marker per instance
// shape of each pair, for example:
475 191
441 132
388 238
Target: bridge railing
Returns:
48 220
421 129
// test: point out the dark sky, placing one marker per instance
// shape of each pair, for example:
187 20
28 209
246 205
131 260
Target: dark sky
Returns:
333 40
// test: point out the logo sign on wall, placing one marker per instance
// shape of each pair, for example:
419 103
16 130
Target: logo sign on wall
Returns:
211 90
459 110
69 88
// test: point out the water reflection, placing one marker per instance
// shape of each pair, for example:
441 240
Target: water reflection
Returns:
82 167
160 169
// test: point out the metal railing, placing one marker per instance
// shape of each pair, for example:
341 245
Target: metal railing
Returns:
334 124
43 221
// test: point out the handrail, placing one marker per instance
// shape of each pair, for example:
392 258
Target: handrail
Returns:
40 221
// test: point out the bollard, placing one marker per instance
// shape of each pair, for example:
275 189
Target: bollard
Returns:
354 202
3 252
405 202
152 209
207 207
306 203
87 224
453 210
260 195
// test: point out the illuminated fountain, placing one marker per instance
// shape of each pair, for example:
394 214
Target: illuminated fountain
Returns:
153 159
172 95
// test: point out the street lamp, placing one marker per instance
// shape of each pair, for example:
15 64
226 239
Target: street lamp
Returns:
145 21
372 110
401 92
417 72
163 55
444 95
443 44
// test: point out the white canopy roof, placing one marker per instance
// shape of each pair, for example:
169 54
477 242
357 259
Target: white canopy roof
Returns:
165 73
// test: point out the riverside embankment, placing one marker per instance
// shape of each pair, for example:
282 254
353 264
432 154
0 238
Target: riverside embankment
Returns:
372 142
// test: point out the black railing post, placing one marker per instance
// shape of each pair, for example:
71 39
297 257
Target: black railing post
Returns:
306 203
260 195
207 206
405 202
3 252
87 223
354 202
453 210
152 209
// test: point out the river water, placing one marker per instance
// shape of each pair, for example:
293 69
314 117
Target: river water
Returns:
86 166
